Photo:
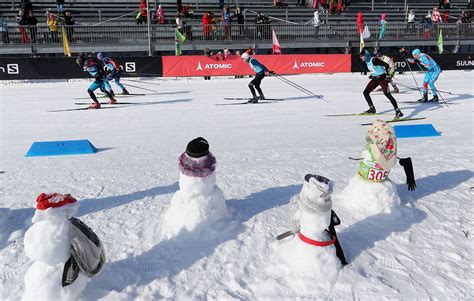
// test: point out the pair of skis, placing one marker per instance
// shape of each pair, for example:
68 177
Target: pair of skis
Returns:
247 99
377 114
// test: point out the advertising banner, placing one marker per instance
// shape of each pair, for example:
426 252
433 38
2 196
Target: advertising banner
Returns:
66 68
233 65
451 61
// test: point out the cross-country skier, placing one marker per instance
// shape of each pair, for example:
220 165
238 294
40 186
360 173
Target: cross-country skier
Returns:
113 70
431 75
94 69
378 74
391 71
260 71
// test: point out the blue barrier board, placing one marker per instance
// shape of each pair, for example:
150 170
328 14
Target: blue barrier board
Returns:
61 148
416 130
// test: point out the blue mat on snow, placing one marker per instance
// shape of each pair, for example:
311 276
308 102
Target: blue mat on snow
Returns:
61 148
416 130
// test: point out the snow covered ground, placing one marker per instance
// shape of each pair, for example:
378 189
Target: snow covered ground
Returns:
421 251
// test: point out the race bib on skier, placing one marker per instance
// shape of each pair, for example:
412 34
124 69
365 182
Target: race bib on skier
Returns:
372 171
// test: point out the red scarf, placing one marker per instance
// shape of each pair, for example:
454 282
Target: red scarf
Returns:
315 242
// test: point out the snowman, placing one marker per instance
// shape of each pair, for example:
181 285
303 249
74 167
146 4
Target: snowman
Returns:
61 253
314 251
371 191
199 202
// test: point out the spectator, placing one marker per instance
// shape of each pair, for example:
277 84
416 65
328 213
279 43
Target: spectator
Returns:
382 24
26 6
300 3
440 4
53 27
447 8
143 13
332 7
226 20
278 3
69 22
324 3
220 56
411 19
240 20
227 54
316 24
206 24
436 17
347 3
60 6
207 53
4 30
315 4
360 23
470 7
221 4
32 21
261 20
186 12
179 23
339 7
427 25
22 22
160 15
214 21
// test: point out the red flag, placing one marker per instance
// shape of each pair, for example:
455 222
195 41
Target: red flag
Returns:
276 49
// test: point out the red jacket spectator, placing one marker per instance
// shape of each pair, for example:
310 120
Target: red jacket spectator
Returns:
143 8
206 22
339 6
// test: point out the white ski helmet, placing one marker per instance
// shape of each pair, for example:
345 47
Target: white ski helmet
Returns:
245 56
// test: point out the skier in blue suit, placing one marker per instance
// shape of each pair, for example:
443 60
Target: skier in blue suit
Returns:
378 77
90 65
431 75
113 70
260 71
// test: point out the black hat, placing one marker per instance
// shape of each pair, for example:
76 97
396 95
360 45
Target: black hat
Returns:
197 148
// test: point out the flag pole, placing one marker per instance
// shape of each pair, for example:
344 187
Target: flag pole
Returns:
148 25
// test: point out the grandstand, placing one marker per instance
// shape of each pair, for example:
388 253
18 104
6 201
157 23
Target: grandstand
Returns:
112 24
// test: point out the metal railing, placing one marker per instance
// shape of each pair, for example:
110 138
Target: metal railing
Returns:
138 34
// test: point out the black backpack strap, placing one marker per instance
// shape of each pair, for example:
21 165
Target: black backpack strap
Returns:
408 167
339 252
70 272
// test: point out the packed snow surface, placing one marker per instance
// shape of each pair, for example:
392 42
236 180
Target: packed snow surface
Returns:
418 250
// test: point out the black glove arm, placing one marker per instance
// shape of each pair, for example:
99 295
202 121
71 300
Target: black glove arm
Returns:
408 167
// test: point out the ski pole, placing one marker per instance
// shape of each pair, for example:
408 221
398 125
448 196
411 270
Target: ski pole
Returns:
403 84
411 71
302 89
296 86
141 88
142 82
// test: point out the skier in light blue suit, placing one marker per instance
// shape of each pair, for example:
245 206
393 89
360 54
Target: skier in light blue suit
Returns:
431 75
260 71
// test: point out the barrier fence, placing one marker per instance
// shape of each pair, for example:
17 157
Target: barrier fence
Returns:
174 66
106 35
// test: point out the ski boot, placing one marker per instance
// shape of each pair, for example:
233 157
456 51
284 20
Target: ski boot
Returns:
434 99
261 97
424 98
395 90
253 100
94 106
125 92
398 114
112 101
112 93
371 110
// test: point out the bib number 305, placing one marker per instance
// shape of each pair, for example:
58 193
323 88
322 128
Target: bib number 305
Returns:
377 175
